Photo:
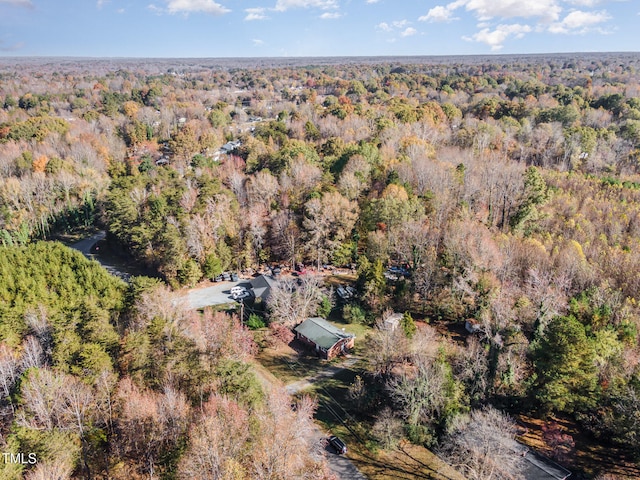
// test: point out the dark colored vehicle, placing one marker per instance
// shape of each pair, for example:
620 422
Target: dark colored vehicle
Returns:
339 446
234 277
276 271
218 278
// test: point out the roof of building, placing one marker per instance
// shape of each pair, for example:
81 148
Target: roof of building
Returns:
539 467
321 332
392 321
262 285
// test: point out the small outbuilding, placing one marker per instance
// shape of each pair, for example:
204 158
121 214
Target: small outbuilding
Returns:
327 340
392 321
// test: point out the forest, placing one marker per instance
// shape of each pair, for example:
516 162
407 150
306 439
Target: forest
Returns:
500 194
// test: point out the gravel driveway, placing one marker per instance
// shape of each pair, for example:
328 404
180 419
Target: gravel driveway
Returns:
217 294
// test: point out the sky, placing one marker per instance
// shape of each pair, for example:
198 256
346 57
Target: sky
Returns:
319 28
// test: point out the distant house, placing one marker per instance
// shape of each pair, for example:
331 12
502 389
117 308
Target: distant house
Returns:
229 147
392 321
261 286
327 340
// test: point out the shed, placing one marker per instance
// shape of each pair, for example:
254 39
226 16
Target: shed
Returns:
328 340
392 321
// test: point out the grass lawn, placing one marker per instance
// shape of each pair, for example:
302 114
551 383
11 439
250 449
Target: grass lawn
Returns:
288 365
360 331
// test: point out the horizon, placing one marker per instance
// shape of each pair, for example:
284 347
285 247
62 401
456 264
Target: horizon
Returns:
491 55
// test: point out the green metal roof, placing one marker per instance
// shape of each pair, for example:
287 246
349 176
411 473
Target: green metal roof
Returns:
321 332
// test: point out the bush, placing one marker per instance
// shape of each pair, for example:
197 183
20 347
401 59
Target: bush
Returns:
255 322
408 325
281 333
353 313
324 309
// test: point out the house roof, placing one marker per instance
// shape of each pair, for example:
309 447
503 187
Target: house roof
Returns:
538 467
393 320
262 285
321 332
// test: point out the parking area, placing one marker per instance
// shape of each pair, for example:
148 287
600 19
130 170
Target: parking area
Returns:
217 294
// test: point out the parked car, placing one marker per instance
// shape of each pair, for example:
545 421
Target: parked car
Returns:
345 292
240 295
234 277
339 446
226 276
276 271
217 278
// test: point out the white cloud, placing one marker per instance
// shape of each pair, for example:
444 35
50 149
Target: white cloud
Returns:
330 15
102 3
257 42
193 6
283 5
495 38
584 3
18 3
373 1
400 23
397 27
546 10
438 14
257 13
579 21
554 16
408 32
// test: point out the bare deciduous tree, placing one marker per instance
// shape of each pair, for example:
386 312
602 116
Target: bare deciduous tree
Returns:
421 395
387 347
217 442
290 304
482 446
218 335
285 236
10 368
387 429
